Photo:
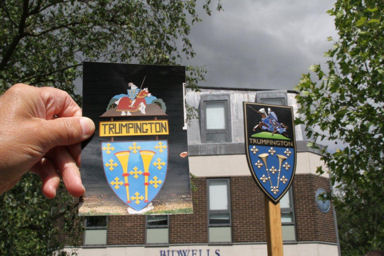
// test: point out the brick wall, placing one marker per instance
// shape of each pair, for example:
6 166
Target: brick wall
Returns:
311 223
247 204
247 211
124 230
192 228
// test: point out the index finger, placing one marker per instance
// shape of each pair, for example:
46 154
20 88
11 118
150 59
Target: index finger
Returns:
58 103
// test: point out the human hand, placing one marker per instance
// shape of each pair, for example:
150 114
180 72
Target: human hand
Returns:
40 131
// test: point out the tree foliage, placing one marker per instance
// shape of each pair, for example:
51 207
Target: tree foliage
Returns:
345 103
44 42
33 225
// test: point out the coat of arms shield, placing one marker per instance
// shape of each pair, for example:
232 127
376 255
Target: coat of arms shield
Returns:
135 170
137 160
270 147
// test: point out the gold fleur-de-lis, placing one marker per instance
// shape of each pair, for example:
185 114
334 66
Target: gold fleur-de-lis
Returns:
287 152
117 183
264 178
286 166
273 170
155 182
137 198
136 172
254 150
259 164
134 148
274 190
159 164
111 164
108 149
160 146
283 179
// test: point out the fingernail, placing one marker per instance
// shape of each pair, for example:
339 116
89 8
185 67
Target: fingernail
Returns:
87 126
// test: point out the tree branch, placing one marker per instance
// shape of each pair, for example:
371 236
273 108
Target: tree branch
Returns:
39 77
12 47
4 7
62 213
53 29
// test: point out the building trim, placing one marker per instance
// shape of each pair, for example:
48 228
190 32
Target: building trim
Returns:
236 165
200 244
212 149
242 89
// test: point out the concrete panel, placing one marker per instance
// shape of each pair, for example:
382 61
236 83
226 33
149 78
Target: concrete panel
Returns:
219 166
236 165
307 163
307 249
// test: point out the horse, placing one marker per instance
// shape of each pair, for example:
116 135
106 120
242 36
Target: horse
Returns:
126 106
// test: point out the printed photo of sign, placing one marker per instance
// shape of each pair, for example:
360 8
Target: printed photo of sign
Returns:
270 147
137 161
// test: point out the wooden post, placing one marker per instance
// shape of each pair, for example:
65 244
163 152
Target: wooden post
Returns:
273 226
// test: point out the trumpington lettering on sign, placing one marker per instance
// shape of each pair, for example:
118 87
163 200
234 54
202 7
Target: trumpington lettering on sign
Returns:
268 142
133 128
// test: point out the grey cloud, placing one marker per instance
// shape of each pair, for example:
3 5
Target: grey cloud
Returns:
262 44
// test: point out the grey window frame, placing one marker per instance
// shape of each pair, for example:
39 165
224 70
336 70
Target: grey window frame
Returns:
290 210
262 97
211 212
147 226
205 133
97 227
86 227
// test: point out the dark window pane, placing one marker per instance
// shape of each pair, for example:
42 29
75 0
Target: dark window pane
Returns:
286 218
157 220
96 221
219 218
273 101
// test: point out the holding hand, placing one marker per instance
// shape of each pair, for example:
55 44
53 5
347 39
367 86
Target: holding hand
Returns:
41 130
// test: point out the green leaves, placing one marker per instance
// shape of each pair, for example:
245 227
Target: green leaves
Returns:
32 223
45 42
345 103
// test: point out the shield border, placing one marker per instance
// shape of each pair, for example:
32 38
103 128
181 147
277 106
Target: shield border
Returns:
277 200
105 176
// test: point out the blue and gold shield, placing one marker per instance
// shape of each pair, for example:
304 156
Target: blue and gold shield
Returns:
270 147
135 170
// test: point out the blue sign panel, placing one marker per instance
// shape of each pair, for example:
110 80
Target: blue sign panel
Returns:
135 170
270 147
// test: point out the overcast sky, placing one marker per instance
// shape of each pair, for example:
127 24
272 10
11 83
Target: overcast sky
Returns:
262 43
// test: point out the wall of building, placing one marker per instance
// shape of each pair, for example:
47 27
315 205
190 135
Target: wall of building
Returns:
248 219
304 249
188 234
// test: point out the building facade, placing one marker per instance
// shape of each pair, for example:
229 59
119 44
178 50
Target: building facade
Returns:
229 215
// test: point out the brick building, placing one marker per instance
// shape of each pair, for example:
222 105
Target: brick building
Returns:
228 216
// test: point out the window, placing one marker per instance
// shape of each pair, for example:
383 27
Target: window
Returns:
219 211
272 97
215 118
157 229
288 217
95 230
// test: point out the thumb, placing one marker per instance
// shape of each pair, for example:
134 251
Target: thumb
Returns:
66 131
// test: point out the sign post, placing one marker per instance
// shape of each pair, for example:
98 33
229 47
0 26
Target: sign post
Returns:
271 154
273 227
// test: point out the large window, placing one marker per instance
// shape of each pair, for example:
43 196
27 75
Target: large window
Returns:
215 119
157 230
288 217
95 230
219 211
